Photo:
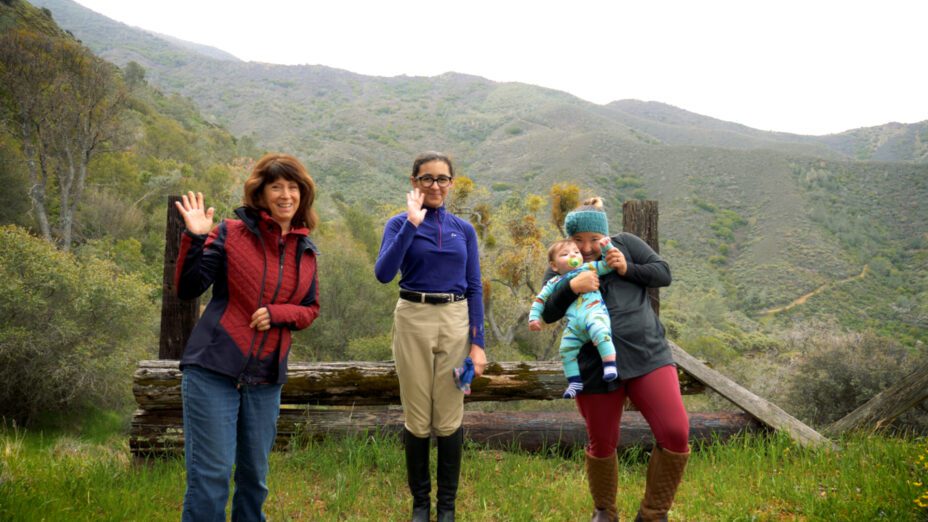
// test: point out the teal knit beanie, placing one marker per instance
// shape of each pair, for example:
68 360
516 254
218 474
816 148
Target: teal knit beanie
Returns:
586 221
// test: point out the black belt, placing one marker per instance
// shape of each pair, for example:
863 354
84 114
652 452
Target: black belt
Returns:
420 297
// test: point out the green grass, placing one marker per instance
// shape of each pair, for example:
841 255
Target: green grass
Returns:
76 478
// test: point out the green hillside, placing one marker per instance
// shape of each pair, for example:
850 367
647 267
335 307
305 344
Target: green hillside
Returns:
675 126
891 142
162 145
16 14
749 219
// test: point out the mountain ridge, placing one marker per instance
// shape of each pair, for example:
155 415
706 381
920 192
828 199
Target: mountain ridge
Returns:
754 217
883 143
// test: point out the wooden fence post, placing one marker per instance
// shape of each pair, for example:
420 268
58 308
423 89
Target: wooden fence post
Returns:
639 217
177 315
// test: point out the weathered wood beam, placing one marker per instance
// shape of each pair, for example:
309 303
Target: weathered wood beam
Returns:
156 384
161 431
885 406
765 411
639 217
530 431
178 316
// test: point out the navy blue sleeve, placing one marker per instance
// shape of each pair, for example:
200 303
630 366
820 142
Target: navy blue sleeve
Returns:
397 236
200 259
474 292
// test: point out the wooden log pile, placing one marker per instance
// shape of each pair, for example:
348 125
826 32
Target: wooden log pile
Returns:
156 384
160 432
349 398
530 431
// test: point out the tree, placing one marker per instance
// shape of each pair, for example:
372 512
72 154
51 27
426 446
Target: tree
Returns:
91 99
354 304
25 82
564 198
513 261
360 222
134 74
64 104
516 267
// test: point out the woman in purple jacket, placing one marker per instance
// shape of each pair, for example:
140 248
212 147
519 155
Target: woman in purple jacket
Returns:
438 321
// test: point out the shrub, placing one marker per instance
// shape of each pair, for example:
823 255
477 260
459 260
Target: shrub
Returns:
711 348
840 372
353 304
371 348
72 330
104 213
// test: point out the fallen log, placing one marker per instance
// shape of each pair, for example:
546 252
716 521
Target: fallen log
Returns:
156 384
160 432
530 431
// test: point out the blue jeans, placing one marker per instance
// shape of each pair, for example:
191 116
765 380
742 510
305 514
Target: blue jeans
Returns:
225 425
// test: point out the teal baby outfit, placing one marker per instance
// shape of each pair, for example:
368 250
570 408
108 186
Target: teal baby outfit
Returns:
587 318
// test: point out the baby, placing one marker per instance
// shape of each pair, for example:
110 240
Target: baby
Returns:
587 317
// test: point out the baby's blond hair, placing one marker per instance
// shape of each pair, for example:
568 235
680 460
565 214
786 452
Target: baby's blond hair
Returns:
557 246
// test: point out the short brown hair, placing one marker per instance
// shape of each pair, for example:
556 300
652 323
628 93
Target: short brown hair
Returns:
275 166
557 246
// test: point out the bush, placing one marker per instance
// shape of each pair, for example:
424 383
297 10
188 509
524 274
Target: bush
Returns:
377 348
711 348
352 303
839 373
72 329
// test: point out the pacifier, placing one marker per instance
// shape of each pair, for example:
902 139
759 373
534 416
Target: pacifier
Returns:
573 262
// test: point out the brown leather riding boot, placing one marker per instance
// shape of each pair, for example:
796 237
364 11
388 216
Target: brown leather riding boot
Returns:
603 476
665 470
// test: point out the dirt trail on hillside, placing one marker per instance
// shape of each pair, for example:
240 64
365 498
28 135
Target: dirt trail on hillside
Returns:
805 297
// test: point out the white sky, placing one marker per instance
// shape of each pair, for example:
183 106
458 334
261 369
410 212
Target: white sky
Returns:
808 67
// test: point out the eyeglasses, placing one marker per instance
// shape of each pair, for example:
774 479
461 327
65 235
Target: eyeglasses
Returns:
428 180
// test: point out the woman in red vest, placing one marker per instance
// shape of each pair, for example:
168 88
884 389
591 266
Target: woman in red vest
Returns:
262 267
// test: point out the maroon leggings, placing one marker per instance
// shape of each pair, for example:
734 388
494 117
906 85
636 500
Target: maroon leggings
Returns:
657 396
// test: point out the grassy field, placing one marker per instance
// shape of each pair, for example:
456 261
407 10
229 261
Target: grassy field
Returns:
91 476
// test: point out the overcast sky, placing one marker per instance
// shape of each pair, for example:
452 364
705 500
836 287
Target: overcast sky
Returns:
808 67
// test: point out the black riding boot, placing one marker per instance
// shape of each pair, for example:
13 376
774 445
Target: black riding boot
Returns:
417 475
449 469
